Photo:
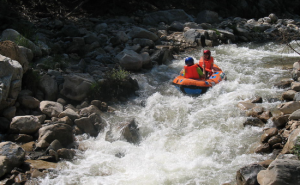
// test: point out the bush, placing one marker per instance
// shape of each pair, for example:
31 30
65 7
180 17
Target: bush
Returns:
117 85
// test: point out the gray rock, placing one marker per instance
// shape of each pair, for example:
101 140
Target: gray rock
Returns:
29 102
295 86
13 35
289 107
268 134
86 126
191 35
288 95
101 27
62 132
295 115
273 18
167 17
130 60
77 86
248 174
254 122
146 60
192 25
49 87
55 145
176 26
163 55
50 108
122 36
280 121
25 124
297 97
19 138
138 32
66 153
143 42
280 171
292 141
11 74
86 112
207 16
70 113
15 155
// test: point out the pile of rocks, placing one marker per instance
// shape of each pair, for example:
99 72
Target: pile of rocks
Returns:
280 140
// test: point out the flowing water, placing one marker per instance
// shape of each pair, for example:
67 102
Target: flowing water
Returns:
185 140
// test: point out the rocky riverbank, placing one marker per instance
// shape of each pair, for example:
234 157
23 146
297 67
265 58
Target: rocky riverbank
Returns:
59 81
281 139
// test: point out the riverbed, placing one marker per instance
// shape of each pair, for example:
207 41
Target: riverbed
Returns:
185 140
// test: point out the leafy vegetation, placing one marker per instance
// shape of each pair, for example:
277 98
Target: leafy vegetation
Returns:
117 74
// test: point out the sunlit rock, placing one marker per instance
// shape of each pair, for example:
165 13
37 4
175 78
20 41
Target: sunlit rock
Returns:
280 171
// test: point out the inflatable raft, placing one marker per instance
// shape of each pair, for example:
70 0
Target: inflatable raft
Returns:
198 86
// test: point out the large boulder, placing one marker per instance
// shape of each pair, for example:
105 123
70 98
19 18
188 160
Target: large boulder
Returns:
138 32
13 35
280 171
51 108
15 155
130 60
289 107
25 124
207 16
247 174
163 55
11 50
86 125
77 86
167 16
29 102
191 35
62 132
49 87
292 142
11 74
70 113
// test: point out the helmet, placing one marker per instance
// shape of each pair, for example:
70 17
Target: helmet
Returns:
206 52
189 61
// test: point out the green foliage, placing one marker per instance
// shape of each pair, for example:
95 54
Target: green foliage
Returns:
296 149
31 80
117 74
117 85
217 32
22 41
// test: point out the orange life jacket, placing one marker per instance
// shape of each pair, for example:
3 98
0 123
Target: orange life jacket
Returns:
191 71
208 63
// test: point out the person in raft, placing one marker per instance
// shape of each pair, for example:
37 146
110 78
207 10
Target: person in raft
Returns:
192 70
207 62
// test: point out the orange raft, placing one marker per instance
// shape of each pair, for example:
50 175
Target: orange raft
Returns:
198 86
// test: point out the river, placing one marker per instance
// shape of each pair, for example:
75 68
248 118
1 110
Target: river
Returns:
185 140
